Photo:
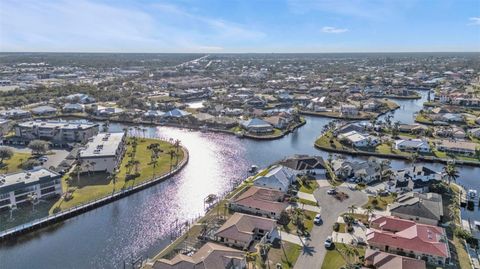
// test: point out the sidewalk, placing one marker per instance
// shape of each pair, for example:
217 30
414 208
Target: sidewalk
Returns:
306 196
292 238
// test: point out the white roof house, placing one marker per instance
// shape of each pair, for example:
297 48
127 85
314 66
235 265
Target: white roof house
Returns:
412 145
278 178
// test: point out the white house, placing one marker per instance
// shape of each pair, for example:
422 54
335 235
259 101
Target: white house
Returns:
277 178
103 153
359 140
412 145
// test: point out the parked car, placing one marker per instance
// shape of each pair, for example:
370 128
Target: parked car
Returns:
329 242
43 159
317 219
332 191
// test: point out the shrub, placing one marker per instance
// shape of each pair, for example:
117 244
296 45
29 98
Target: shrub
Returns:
350 229
336 226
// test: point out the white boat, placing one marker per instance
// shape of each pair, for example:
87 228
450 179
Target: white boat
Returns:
253 169
471 195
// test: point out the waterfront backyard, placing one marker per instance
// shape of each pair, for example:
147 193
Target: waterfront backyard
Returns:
137 166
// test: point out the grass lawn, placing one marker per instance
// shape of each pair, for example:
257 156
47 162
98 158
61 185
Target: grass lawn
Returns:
98 185
334 259
307 202
12 165
309 216
342 228
382 201
286 255
422 119
309 187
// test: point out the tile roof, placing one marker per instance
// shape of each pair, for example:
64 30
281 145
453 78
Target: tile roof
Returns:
384 260
241 227
408 235
262 198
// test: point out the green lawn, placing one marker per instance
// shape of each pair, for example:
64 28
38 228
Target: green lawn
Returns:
422 119
334 259
382 202
98 185
309 187
309 216
13 164
307 202
286 255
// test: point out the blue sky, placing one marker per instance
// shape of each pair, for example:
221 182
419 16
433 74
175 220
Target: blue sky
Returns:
239 26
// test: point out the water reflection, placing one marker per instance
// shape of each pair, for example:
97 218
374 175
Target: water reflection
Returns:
140 223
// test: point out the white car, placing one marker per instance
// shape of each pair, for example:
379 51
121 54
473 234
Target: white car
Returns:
331 191
317 219
329 242
43 159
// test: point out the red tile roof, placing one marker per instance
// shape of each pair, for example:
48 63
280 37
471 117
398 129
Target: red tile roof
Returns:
383 260
408 235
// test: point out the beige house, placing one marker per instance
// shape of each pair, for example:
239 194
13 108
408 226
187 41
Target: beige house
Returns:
241 230
259 201
209 256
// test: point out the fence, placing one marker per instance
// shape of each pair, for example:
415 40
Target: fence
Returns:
76 210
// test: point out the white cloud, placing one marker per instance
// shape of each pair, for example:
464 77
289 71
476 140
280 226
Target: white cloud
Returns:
92 26
333 30
474 21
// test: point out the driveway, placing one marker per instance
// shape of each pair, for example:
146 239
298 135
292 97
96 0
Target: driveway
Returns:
313 251
56 158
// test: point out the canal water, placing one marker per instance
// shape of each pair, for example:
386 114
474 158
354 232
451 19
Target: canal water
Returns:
139 225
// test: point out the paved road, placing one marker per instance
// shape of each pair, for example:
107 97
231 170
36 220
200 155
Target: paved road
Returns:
313 251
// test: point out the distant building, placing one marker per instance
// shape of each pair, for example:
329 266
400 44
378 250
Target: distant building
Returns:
44 111
359 140
457 147
348 110
4 126
103 153
303 164
56 131
15 187
415 145
257 125
15 114
80 98
72 108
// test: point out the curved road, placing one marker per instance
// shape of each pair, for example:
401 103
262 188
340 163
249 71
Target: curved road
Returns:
313 251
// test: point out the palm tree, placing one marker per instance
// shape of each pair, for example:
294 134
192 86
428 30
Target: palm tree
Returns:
413 158
383 165
33 199
135 164
369 210
172 154
451 172
251 257
349 255
77 171
352 209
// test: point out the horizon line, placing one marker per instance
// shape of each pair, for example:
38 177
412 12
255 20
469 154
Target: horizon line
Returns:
325 52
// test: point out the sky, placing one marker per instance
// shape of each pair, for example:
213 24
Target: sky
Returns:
218 26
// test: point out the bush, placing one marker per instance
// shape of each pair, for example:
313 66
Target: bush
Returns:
336 226
29 164
350 229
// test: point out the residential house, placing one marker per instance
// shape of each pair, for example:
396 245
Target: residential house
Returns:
106 111
278 121
16 187
43 111
103 153
304 164
72 108
176 114
241 230
406 237
422 208
417 178
348 110
457 147
383 260
209 256
414 145
277 178
361 171
474 132
80 98
153 115
451 131
412 128
5 126
257 125
359 140
15 114
259 201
